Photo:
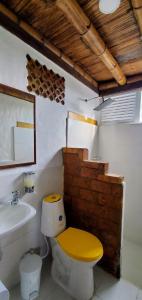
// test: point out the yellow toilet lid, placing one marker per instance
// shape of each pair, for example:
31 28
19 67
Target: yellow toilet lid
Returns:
80 244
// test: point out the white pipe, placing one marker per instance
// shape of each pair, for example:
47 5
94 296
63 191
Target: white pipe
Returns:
47 248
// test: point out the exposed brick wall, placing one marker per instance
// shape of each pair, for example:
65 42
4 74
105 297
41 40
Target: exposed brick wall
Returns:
93 201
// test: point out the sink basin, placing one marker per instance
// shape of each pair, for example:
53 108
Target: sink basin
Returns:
14 217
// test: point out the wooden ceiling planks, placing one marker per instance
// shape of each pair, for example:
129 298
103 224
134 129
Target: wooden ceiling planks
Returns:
133 67
23 30
119 30
137 9
90 37
91 8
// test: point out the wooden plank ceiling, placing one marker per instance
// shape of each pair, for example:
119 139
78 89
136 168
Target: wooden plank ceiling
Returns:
119 31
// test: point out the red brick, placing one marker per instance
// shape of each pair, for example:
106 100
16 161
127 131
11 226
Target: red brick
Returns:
86 195
71 164
67 179
102 199
111 178
67 198
110 239
117 190
101 166
110 200
73 169
114 215
81 182
78 205
109 251
81 205
72 190
81 152
100 186
110 227
93 202
115 202
87 172
70 159
97 210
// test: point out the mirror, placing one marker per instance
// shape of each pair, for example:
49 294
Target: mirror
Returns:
17 128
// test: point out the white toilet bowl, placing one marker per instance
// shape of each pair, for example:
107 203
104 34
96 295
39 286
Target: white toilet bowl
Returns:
75 252
75 275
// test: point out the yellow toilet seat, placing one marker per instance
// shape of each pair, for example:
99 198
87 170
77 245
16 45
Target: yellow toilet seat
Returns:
80 244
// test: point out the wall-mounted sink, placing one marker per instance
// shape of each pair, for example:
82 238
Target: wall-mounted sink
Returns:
13 217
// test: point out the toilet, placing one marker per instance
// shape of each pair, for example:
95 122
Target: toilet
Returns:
75 252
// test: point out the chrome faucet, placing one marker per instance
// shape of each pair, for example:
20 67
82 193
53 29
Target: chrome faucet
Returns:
16 197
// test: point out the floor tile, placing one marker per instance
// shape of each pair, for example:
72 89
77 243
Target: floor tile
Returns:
139 295
132 263
120 290
102 279
109 288
106 288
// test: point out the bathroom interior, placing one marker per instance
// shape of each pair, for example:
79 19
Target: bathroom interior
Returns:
70 150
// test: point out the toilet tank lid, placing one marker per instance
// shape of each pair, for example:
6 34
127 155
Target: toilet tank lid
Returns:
52 198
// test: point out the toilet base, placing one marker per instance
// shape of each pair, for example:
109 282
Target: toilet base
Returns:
76 277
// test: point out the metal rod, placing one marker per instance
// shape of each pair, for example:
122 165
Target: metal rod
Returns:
90 99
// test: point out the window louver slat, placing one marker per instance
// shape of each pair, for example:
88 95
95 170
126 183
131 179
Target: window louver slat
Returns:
121 110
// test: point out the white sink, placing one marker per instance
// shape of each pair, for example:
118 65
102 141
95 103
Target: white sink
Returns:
13 217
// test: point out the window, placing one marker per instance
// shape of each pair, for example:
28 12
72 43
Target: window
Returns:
126 108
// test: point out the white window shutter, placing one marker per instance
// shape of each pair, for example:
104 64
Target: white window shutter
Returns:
123 109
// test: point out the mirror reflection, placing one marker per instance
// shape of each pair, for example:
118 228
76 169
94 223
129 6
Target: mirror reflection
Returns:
16 130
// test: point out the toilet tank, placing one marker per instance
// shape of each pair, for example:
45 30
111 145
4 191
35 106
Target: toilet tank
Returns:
53 219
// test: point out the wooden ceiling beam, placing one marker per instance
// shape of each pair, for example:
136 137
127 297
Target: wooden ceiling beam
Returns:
29 35
137 8
132 69
90 36
111 87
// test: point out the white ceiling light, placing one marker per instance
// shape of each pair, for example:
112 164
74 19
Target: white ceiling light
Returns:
108 6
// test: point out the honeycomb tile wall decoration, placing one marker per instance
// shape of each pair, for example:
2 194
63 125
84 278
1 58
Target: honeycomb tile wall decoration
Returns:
45 82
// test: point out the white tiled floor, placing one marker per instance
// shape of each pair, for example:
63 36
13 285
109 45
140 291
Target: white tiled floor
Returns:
132 263
106 288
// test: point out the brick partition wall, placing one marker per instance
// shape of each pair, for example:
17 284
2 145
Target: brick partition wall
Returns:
93 201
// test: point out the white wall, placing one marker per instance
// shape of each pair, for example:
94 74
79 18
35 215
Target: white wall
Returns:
81 134
51 128
121 146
